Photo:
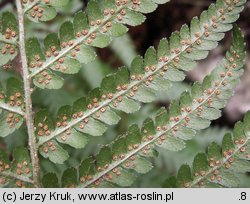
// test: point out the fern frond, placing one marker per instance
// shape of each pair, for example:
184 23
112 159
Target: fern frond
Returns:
11 107
168 130
8 38
15 173
220 166
96 27
124 89
42 10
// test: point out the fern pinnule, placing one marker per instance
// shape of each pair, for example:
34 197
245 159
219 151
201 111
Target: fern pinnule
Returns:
18 171
11 107
8 39
42 10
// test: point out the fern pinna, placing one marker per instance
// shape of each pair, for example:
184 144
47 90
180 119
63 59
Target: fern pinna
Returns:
45 63
221 165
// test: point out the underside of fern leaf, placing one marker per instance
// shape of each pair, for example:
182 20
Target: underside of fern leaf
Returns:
15 173
221 165
42 10
64 52
125 89
114 164
104 20
8 39
11 107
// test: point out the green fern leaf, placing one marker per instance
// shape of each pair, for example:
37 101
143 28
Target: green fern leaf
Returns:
129 150
221 165
124 89
11 107
51 150
8 38
95 27
125 154
54 152
16 173
42 10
